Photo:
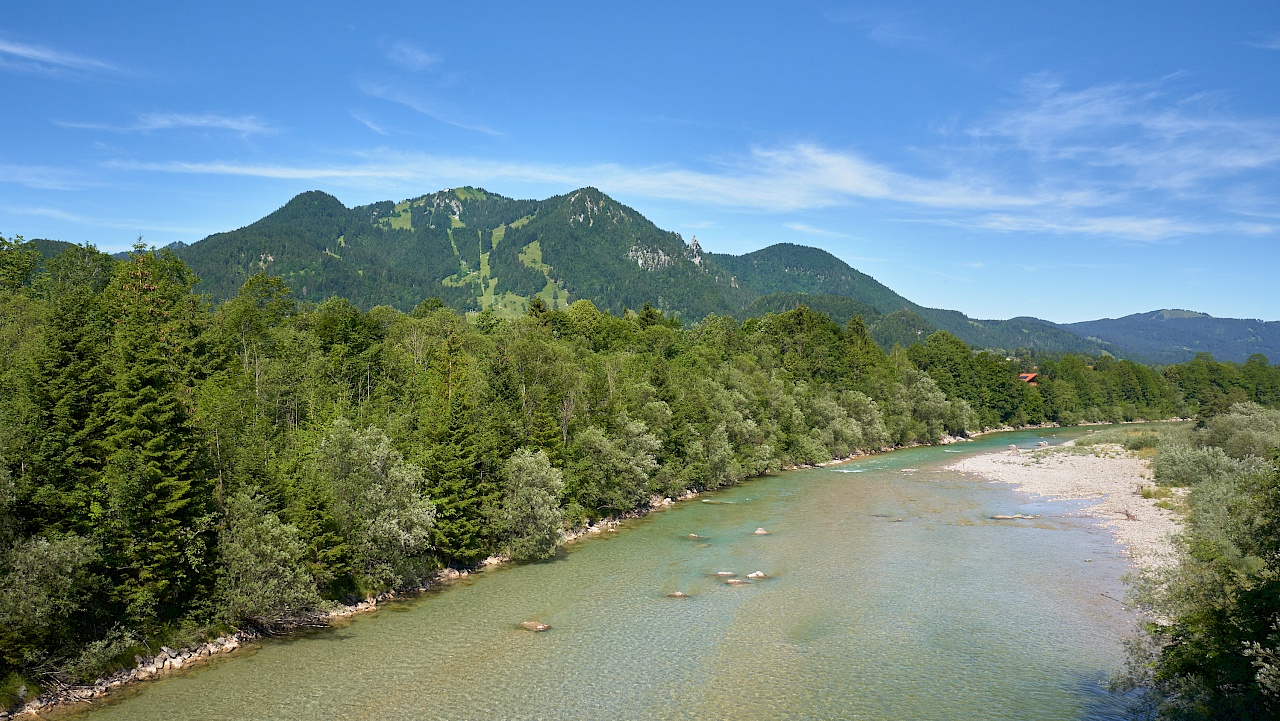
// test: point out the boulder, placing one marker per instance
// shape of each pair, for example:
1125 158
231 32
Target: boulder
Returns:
678 594
757 574
736 582
761 532
535 626
725 574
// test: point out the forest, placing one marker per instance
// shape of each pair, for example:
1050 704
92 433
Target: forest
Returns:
170 468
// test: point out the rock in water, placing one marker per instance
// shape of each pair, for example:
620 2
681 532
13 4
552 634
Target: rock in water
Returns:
678 594
736 582
725 574
534 626
761 532
757 574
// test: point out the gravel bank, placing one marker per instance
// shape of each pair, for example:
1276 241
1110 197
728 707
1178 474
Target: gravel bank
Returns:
1109 477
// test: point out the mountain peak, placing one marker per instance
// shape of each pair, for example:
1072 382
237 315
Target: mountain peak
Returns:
309 205
588 206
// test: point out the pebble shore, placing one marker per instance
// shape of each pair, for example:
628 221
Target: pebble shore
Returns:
1109 477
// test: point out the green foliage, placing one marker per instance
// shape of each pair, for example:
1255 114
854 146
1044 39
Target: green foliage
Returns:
17 262
47 583
531 511
377 503
263 578
1214 654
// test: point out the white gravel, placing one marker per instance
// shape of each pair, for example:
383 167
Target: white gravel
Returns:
1108 476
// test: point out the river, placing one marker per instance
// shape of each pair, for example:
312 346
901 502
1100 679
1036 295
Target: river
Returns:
890 595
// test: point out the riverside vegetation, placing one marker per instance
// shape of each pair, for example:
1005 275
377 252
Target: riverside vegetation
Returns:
171 470
1212 647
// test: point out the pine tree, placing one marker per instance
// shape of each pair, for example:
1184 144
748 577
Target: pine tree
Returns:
66 387
158 493
463 491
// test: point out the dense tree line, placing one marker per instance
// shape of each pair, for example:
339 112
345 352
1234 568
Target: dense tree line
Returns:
168 466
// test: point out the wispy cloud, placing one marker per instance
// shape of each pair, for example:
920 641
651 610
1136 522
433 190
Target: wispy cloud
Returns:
788 179
42 177
1148 137
150 122
424 102
890 29
811 230
38 58
111 223
365 121
1134 162
409 56
1265 41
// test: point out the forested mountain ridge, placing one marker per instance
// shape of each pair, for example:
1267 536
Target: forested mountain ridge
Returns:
476 250
1173 336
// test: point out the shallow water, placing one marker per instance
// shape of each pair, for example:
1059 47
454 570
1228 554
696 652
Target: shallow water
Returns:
891 595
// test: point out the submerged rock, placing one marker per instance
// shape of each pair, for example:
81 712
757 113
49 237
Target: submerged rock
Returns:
535 626
725 574
678 594
757 574
761 532
736 582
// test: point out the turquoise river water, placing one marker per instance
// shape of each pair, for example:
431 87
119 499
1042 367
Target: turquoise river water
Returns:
891 596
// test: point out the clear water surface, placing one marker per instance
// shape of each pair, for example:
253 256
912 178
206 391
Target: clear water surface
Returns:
891 595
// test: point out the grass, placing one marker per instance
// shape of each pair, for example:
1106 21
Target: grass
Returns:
468 194
531 256
16 690
403 220
1155 492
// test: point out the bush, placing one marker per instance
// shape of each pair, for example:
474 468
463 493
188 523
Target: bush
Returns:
1178 464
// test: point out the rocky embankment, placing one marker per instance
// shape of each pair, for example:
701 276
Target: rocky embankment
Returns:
169 660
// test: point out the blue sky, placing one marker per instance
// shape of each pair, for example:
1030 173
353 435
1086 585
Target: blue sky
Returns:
1067 160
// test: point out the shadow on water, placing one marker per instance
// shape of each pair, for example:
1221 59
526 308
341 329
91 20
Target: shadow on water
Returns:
1102 703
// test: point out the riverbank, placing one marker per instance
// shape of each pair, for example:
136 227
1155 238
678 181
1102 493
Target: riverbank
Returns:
1109 478
169 661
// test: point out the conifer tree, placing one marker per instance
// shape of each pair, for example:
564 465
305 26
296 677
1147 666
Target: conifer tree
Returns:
157 506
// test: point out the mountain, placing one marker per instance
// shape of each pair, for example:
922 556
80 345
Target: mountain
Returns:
1175 336
477 250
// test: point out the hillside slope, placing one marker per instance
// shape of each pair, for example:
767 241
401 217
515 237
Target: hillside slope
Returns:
1175 336
476 250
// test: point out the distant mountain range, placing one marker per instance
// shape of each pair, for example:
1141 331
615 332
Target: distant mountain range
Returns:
477 250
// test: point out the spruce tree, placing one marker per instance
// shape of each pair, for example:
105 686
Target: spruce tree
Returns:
156 514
